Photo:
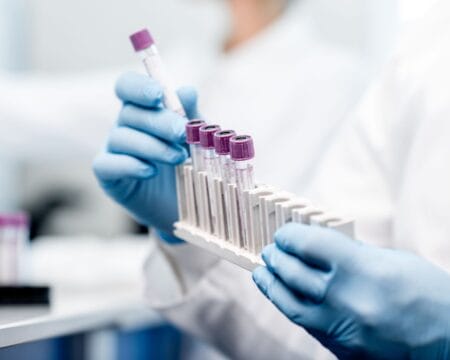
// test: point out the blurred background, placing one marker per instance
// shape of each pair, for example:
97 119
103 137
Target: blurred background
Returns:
58 64
78 44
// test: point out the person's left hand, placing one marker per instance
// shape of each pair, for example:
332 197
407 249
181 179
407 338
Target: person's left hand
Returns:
358 300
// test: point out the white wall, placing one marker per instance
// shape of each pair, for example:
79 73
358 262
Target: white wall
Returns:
12 57
13 46
86 34
411 9
367 26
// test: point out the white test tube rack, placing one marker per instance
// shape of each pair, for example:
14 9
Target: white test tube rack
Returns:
269 209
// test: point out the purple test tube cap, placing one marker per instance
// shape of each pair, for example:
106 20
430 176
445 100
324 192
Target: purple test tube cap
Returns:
242 148
14 219
193 131
207 135
222 141
141 40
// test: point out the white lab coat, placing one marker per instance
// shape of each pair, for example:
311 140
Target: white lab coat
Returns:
291 92
283 83
389 167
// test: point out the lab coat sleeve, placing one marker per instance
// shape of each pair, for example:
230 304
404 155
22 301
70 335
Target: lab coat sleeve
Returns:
216 301
389 168
422 209
47 116
357 172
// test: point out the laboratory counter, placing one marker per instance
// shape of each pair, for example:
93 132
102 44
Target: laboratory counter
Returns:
94 284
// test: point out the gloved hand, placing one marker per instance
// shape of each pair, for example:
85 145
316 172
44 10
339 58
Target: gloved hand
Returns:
137 168
359 301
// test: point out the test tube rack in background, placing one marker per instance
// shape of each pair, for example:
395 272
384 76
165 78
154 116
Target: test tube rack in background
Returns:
267 209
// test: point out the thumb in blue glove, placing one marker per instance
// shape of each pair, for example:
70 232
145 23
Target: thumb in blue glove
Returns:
137 167
357 300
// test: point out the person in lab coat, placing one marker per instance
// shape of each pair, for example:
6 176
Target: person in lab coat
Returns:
310 84
282 82
281 53
69 114
389 167
394 146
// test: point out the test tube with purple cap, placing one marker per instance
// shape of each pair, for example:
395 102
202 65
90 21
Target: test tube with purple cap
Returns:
144 45
209 161
13 243
193 139
242 153
224 164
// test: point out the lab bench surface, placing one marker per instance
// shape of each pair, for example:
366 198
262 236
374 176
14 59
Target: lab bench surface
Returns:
74 313
105 292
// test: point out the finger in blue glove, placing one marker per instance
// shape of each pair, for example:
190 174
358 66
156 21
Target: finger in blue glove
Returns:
357 300
137 166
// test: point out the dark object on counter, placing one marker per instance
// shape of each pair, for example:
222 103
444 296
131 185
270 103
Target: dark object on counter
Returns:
11 295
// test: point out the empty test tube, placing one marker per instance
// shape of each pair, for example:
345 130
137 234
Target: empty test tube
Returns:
209 161
144 45
242 153
193 139
206 133
192 188
224 164
13 246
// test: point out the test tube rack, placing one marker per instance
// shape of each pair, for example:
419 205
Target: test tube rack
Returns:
268 209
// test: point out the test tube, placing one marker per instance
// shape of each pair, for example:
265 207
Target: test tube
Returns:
13 244
206 133
209 161
242 153
193 139
226 172
224 164
144 45
23 237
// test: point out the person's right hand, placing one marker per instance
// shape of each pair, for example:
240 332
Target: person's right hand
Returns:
137 167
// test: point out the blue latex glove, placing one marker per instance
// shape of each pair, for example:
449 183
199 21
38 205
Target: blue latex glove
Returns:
137 168
359 301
